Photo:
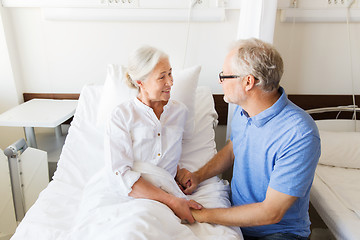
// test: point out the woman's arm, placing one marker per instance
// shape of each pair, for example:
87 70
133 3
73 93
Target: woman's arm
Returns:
181 207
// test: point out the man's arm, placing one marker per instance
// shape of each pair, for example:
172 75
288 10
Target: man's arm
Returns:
270 211
222 161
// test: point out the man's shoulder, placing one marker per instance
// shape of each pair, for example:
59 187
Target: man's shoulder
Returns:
296 119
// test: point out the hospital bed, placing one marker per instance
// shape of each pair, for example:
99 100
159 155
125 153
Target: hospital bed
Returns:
335 192
52 216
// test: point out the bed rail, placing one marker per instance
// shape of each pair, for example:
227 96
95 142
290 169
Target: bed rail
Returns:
349 108
13 152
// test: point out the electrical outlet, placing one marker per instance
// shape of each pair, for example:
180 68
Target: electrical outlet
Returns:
122 3
201 3
339 3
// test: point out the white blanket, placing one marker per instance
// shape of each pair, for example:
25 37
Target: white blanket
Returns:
111 216
54 215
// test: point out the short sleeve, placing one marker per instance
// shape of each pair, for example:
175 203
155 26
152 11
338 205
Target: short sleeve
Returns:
294 170
119 154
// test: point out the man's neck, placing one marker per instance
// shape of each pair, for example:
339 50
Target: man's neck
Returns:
260 101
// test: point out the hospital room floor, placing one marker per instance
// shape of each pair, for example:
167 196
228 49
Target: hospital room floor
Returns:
46 141
319 230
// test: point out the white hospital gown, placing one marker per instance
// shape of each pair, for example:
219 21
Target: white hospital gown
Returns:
134 133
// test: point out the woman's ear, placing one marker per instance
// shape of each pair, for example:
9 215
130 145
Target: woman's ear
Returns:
139 83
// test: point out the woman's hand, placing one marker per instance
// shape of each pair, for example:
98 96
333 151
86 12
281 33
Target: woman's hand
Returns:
181 207
187 181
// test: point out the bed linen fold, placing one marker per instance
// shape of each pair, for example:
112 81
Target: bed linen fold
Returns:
105 214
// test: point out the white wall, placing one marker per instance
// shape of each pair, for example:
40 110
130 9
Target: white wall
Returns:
9 91
10 85
62 56
317 58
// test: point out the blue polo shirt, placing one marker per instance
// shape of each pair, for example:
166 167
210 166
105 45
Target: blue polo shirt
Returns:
277 148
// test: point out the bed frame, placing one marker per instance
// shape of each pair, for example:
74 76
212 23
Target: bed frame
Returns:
306 102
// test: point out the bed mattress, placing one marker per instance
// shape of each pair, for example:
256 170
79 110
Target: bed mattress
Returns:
335 194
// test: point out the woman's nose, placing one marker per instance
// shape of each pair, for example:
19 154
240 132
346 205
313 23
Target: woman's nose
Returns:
169 80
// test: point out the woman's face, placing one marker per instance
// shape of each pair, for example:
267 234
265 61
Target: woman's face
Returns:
158 84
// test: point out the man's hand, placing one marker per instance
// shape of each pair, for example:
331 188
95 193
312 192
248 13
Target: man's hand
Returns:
187 180
199 215
181 207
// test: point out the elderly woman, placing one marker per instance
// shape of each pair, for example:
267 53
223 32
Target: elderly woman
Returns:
148 128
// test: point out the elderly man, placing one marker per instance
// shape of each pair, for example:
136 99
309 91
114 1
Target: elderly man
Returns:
274 150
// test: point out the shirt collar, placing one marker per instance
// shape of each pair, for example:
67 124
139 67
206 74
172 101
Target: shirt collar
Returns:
262 118
146 107
141 104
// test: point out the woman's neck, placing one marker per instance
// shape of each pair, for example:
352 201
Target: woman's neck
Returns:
156 106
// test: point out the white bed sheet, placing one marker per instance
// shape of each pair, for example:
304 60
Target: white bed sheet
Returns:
343 222
335 191
344 183
53 214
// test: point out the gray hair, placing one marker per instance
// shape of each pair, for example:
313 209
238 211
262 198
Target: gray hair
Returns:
259 59
141 63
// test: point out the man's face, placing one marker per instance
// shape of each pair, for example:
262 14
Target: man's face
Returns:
232 87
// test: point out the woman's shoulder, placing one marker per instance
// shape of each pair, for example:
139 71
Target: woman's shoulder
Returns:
125 106
177 104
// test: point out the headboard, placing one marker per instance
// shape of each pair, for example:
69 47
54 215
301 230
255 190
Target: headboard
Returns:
304 101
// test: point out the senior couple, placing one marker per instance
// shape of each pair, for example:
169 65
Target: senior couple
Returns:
274 146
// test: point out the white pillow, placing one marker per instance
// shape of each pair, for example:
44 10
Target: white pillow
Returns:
184 89
197 151
340 149
116 91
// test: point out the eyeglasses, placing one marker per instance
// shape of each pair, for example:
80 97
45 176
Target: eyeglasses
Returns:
222 77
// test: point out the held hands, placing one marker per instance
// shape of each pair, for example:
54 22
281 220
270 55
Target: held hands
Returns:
186 180
182 208
199 215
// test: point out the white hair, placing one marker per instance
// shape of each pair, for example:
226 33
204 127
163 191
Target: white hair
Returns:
259 59
141 63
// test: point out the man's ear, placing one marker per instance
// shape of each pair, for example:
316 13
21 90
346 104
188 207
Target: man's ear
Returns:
249 82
